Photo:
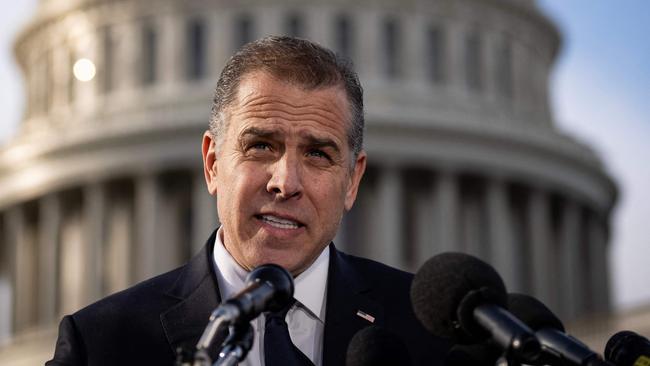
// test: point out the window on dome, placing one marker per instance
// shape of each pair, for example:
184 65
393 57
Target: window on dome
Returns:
72 80
294 26
243 31
108 60
435 54
504 69
195 55
473 61
149 62
391 37
343 35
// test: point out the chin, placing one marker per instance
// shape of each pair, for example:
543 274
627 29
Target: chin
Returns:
281 258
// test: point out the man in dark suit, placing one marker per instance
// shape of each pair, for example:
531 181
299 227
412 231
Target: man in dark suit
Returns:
284 158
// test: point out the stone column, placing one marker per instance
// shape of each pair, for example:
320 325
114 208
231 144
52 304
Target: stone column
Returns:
319 25
30 85
48 247
218 41
6 297
127 74
389 236
273 22
24 270
504 253
446 196
118 268
62 70
425 235
38 84
415 49
473 235
5 309
538 90
570 259
599 265
520 78
171 51
86 91
94 239
204 211
544 271
12 225
73 269
146 208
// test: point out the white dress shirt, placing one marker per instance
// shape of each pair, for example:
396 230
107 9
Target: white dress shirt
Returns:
305 319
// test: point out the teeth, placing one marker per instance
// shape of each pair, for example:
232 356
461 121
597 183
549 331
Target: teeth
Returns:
279 222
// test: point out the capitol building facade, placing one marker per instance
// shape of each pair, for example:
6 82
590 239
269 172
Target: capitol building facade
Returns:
103 185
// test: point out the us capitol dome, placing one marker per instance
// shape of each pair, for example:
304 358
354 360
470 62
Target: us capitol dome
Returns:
103 187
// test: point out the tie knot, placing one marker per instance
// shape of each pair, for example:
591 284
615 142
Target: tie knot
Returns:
278 316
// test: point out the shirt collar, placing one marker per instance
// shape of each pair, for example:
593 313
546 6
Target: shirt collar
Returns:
310 286
230 275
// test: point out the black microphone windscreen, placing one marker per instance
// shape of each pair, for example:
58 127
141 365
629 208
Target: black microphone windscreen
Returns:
533 312
277 277
627 348
442 283
376 346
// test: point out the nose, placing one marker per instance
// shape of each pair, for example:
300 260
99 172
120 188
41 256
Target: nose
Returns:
286 178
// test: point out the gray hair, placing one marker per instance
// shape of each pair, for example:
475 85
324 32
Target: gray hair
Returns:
297 61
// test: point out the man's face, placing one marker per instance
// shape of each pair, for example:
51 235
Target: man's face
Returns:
282 174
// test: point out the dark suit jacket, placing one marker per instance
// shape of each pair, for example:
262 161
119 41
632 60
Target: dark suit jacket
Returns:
143 325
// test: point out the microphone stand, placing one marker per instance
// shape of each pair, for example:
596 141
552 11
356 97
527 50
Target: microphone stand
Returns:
220 317
236 346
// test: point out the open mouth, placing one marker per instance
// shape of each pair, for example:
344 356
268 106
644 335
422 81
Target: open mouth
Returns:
279 222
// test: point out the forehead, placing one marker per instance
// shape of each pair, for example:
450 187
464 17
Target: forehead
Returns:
261 96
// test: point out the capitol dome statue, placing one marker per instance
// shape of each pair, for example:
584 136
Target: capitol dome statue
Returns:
103 186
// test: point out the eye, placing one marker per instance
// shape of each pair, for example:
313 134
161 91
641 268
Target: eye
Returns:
318 154
260 146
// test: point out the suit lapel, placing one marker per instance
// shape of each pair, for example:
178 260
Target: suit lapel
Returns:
346 297
198 292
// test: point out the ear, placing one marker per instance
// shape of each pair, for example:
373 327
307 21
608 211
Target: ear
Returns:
355 180
209 153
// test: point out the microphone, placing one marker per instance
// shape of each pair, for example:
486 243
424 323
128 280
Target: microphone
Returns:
269 287
455 295
376 346
627 348
557 346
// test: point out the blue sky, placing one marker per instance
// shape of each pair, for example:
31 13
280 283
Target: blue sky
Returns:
600 94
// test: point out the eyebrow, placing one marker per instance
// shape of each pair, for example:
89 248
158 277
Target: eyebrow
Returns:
258 132
321 142
312 141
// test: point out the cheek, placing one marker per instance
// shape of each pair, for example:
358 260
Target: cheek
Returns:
243 179
330 197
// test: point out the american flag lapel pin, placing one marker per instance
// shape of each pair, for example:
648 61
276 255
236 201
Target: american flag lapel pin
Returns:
365 316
